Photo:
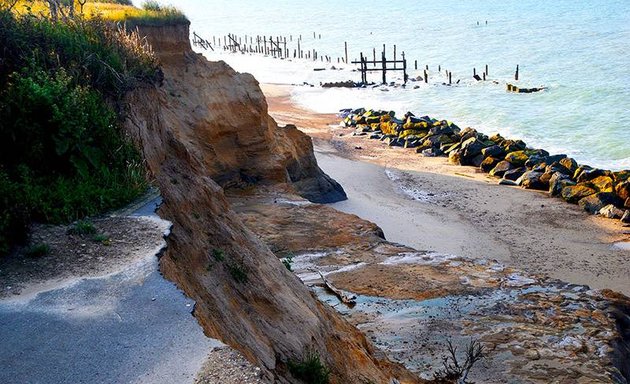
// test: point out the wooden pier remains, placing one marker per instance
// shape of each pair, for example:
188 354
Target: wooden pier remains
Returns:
384 66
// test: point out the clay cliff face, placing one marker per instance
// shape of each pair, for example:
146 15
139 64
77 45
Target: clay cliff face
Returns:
207 129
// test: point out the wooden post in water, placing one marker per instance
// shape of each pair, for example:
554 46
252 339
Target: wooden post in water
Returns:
426 67
450 78
404 68
383 61
487 73
345 44
474 72
265 45
484 76
426 77
299 50
439 68
516 73
373 56
394 56
415 63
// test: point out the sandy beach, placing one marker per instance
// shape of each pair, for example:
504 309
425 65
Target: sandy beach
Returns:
429 204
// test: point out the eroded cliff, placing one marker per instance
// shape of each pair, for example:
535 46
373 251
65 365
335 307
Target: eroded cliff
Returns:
204 130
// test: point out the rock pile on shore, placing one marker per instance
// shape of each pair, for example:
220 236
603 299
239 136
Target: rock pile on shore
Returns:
597 191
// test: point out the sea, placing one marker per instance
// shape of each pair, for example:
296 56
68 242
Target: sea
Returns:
578 50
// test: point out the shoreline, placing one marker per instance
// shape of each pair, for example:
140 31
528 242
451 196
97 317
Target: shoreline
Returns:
466 212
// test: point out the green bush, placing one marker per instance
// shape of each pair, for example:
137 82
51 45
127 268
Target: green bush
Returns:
310 370
62 153
151 5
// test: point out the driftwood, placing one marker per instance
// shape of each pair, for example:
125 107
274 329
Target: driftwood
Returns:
345 297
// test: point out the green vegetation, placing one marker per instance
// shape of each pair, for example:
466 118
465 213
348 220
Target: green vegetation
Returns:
310 370
101 238
37 250
62 154
238 272
82 228
218 254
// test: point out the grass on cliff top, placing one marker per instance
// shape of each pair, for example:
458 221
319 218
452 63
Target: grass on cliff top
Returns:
151 13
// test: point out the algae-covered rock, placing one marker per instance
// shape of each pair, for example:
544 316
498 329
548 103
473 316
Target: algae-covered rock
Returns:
531 180
626 216
500 169
569 164
590 174
517 158
595 202
623 190
471 148
497 138
574 193
467 133
455 157
558 181
626 204
602 184
488 163
558 167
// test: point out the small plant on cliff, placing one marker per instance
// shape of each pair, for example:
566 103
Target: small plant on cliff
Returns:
218 254
82 227
238 271
454 370
310 369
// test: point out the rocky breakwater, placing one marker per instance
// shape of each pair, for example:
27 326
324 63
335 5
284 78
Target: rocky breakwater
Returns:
597 191
205 131
412 303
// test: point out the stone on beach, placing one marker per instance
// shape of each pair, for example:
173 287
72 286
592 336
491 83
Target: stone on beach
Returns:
500 169
611 212
574 193
595 202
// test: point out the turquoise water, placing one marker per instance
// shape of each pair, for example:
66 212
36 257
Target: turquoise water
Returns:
580 50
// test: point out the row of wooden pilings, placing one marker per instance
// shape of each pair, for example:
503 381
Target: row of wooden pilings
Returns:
279 47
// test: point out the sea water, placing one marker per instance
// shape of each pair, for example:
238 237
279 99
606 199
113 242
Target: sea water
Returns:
579 50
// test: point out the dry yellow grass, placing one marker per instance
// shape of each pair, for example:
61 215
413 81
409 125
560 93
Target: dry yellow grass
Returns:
108 11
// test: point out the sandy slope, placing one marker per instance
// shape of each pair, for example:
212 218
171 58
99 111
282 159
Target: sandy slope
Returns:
459 210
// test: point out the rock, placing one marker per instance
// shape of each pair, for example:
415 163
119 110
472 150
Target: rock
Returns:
626 204
595 202
467 133
611 212
514 174
394 142
471 148
476 161
546 176
488 163
531 180
455 157
569 164
590 174
497 139
431 152
507 182
375 136
558 167
493 150
626 217
500 169
513 146
517 158
602 184
532 354
574 193
623 190
452 147
443 129
437 140
558 181
621 176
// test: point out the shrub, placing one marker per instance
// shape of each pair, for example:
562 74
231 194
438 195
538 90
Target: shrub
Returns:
287 261
218 254
310 370
37 250
82 227
238 272
151 5
63 155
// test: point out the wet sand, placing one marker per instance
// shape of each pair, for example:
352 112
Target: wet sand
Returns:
429 204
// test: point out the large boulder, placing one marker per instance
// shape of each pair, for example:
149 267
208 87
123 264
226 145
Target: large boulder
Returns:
514 174
467 133
493 150
517 158
569 164
558 167
595 202
590 174
500 169
602 184
558 181
623 190
472 147
574 193
531 180
621 176
488 163
455 157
